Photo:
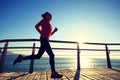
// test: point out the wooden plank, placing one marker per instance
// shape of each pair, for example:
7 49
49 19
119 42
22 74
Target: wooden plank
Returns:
31 76
16 75
77 75
37 76
90 74
63 78
43 76
5 76
48 75
68 74
113 74
93 73
22 76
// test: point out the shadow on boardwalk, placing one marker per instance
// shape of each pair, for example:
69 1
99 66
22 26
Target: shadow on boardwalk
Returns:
77 74
68 74
18 76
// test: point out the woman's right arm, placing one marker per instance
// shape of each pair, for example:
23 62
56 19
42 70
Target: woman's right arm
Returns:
37 26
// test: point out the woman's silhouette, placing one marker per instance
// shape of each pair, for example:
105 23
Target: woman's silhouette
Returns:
45 30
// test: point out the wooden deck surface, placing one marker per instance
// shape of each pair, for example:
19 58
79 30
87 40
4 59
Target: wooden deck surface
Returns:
68 74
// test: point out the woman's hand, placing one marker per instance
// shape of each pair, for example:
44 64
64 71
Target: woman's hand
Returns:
56 29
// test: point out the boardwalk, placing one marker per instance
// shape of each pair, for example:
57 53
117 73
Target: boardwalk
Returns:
68 74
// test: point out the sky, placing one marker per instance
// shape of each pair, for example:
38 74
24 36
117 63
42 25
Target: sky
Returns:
76 20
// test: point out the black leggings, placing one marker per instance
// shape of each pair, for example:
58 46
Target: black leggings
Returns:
45 46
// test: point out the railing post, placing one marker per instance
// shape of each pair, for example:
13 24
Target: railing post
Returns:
78 56
32 60
1 51
108 57
3 57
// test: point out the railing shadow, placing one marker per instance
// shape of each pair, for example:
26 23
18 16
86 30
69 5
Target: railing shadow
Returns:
15 77
77 74
115 69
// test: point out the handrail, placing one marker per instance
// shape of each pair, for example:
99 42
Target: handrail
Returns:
59 41
99 49
3 50
38 48
6 41
20 40
101 43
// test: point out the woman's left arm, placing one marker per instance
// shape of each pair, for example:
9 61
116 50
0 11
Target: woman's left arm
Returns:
55 30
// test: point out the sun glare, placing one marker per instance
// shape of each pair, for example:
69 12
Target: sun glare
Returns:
86 62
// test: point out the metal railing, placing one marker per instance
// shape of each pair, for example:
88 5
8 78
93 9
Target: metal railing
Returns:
6 47
6 42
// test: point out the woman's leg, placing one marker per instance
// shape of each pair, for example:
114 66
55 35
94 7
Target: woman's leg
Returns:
54 74
40 52
51 55
38 56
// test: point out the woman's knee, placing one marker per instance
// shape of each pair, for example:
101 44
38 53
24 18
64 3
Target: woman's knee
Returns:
37 56
52 56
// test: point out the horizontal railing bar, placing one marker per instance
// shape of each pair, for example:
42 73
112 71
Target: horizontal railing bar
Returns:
99 50
21 40
102 43
39 47
63 49
18 40
58 41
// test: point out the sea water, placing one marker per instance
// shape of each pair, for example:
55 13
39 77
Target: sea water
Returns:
61 62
